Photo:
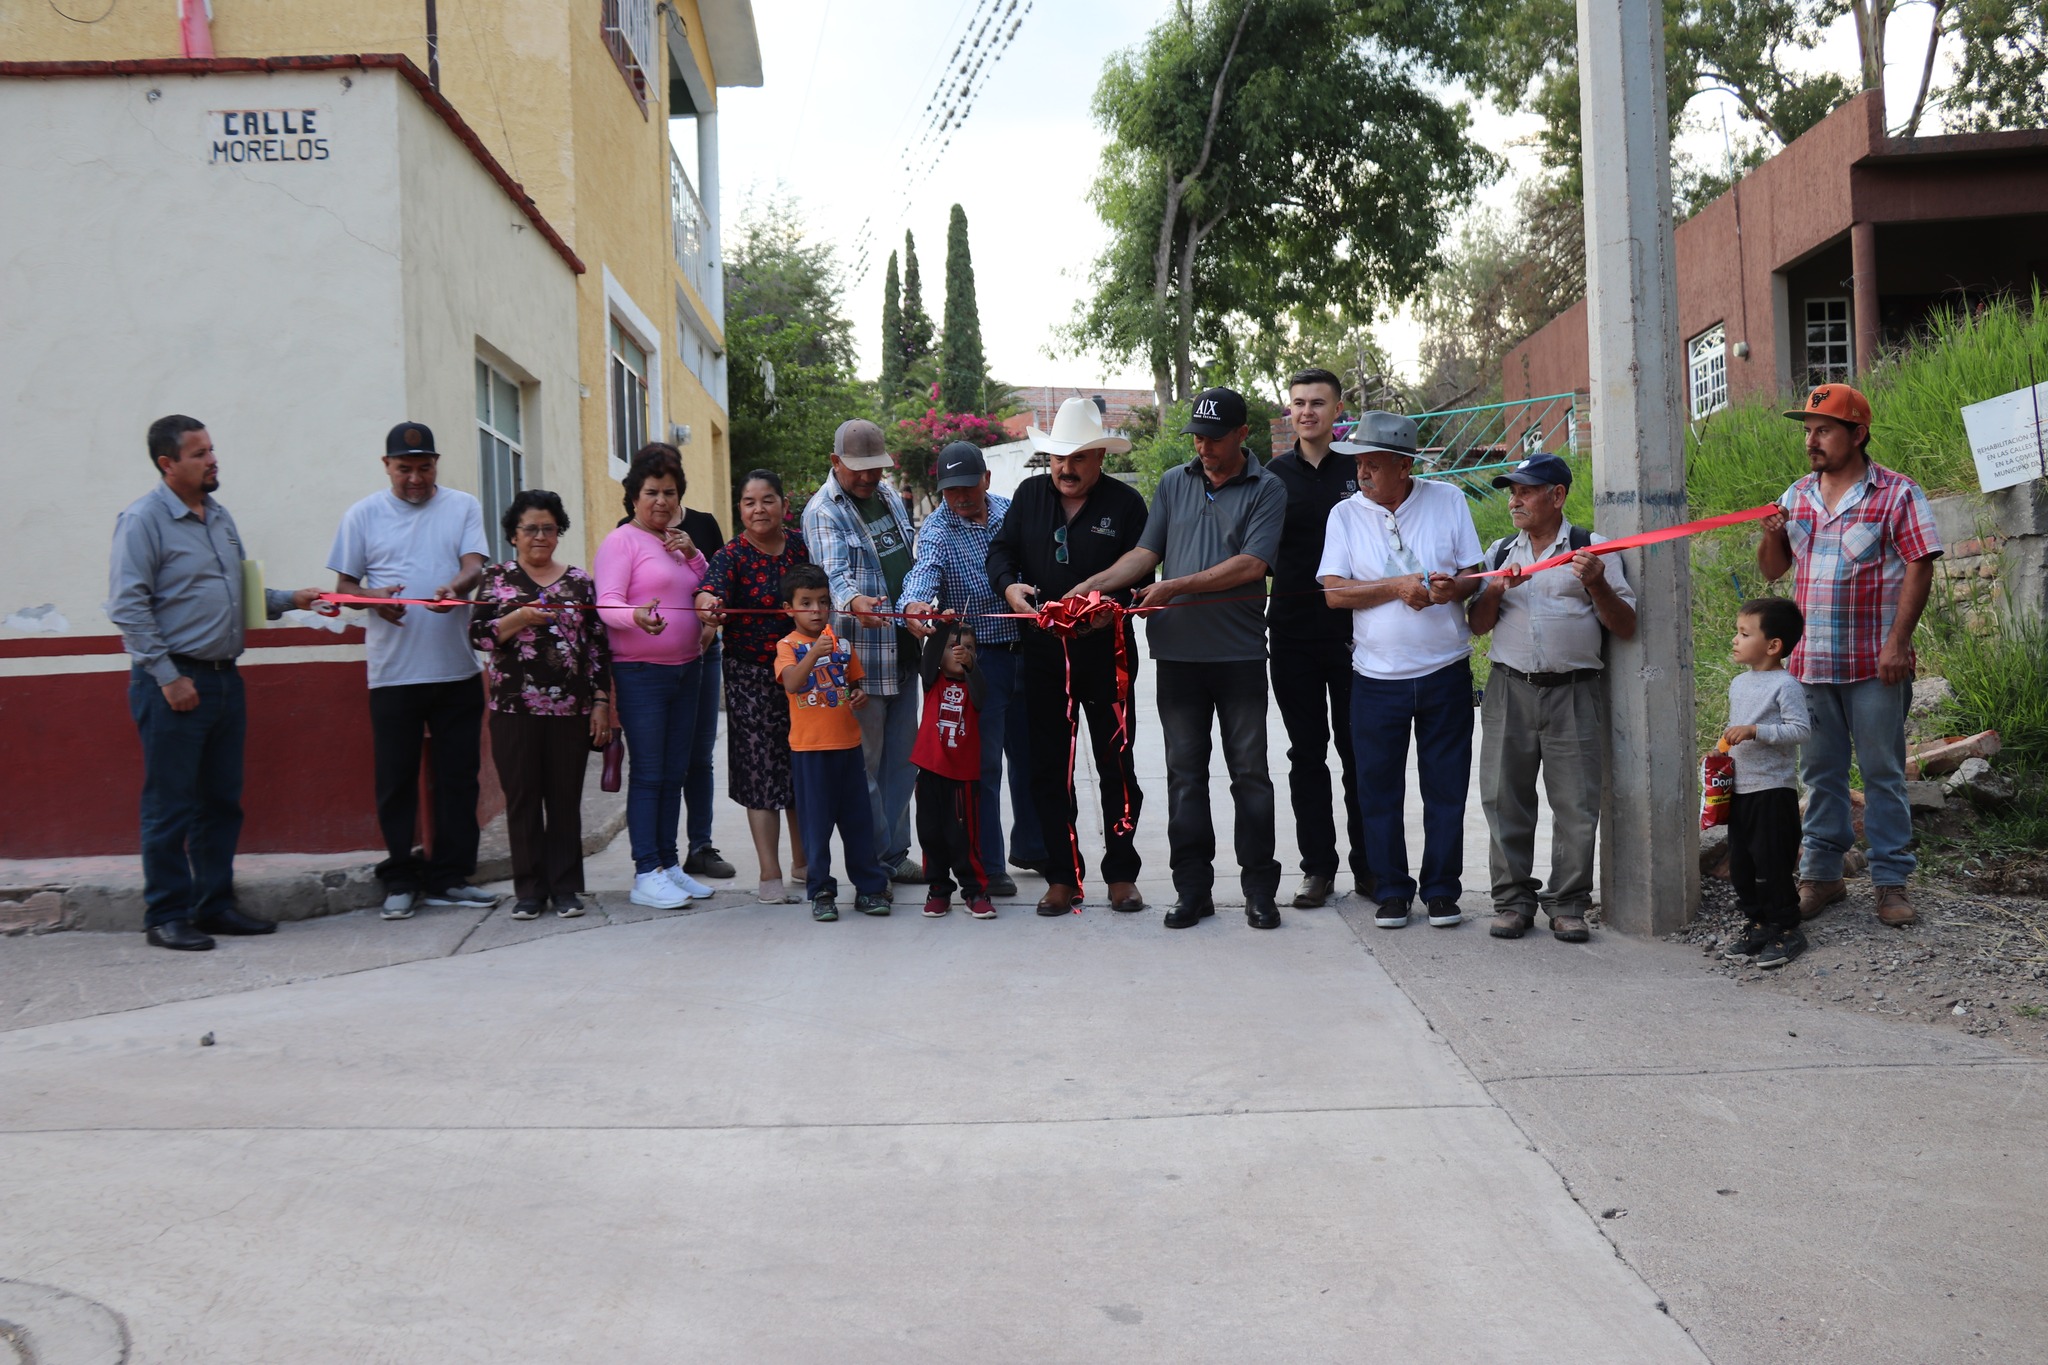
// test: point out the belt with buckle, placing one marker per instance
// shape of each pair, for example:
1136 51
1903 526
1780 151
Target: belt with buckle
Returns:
1551 679
202 665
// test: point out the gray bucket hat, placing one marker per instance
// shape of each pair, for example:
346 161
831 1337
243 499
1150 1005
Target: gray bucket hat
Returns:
1388 431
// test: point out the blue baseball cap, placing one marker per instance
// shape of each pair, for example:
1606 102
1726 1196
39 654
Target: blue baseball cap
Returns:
1537 469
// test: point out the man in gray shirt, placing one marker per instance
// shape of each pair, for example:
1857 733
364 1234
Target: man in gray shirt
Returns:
1215 526
174 591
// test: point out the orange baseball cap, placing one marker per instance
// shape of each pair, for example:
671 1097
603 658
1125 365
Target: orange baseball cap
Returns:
1838 401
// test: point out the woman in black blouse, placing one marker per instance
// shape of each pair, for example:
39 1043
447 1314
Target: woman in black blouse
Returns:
747 573
550 672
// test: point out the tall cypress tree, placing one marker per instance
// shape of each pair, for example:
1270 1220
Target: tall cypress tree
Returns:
892 333
960 359
917 324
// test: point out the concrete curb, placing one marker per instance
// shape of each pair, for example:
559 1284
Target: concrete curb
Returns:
114 904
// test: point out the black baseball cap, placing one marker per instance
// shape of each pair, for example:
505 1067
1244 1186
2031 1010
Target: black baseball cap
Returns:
961 466
1537 469
1218 412
410 438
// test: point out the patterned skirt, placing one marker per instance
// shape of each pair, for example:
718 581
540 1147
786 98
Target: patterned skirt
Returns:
756 737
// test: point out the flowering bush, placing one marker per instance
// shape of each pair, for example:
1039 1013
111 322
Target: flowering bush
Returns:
918 441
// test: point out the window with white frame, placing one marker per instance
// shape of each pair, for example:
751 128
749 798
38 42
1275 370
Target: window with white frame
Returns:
501 447
1706 364
628 29
628 379
1829 357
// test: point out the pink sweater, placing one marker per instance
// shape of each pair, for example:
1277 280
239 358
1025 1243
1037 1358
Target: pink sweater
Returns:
633 568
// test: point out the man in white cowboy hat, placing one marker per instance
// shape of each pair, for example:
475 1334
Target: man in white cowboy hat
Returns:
1062 527
1394 554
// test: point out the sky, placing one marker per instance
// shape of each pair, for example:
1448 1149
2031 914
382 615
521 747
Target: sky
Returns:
846 82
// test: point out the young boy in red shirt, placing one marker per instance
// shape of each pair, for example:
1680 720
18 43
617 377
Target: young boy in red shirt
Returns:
948 758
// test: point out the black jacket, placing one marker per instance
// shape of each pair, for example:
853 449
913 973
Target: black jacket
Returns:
1107 526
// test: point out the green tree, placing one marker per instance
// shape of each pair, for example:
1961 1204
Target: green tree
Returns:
892 332
789 347
962 369
1267 159
917 323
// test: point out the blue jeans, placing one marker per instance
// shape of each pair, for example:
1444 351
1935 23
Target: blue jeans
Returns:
191 795
1869 716
888 731
830 787
1438 706
697 784
658 711
1006 739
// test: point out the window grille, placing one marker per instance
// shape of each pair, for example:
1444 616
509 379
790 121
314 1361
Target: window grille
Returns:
501 447
1830 359
1706 364
628 374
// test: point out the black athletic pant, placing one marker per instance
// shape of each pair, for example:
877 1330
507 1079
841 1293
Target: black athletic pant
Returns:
1763 855
948 830
401 717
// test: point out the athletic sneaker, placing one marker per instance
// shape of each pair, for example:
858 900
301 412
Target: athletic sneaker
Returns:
656 890
1789 943
824 909
909 871
1444 912
937 907
981 909
1391 915
871 903
528 909
1754 940
687 884
709 862
462 895
569 906
399 905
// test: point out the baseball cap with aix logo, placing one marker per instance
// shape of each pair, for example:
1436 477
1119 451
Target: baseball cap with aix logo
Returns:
1838 401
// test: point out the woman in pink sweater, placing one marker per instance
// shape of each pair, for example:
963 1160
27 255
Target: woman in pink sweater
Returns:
655 662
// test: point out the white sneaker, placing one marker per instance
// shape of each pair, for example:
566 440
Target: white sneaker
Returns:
687 884
656 890
399 905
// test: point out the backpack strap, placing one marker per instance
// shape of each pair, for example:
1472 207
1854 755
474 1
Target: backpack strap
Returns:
1498 552
1580 538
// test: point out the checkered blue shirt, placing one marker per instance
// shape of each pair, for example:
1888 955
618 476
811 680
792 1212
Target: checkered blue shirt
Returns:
839 545
952 568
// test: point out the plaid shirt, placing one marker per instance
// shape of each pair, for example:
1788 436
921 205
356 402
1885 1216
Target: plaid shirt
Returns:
1848 565
839 544
952 568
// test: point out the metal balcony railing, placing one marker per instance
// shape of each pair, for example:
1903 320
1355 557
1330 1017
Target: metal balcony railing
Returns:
692 228
628 27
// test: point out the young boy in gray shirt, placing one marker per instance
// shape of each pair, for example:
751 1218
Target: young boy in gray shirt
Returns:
1767 722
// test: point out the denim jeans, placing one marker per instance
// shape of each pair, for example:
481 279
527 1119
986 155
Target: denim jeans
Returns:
1438 706
1233 695
697 784
658 711
1870 717
191 794
1006 742
826 784
888 732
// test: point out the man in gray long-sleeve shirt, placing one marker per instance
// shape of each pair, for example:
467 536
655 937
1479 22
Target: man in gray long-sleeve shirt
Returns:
175 593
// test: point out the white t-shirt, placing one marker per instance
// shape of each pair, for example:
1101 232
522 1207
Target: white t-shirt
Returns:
1435 535
385 540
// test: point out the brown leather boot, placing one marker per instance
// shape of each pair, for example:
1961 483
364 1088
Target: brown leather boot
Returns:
1124 896
1893 908
1057 900
1815 897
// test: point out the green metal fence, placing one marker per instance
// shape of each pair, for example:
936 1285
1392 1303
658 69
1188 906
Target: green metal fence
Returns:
1468 445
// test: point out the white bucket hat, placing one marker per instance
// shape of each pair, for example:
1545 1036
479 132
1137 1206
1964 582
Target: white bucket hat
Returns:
1078 427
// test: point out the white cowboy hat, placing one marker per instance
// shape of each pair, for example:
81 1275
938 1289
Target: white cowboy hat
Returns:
1078 427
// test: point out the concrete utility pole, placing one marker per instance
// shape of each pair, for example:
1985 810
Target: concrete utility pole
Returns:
1649 849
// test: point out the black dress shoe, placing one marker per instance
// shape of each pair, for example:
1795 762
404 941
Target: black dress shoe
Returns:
178 934
1261 913
233 921
1189 911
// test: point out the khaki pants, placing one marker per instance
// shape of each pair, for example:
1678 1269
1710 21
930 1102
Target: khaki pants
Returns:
1561 732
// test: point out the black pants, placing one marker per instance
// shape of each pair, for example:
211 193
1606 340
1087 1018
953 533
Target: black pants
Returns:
1763 855
541 762
949 832
1233 696
1312 684
1055 720
400 718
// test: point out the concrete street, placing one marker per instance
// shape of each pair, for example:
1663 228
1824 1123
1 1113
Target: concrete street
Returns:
731 1134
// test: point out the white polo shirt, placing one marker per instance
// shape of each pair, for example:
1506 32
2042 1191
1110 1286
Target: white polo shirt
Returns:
1431 532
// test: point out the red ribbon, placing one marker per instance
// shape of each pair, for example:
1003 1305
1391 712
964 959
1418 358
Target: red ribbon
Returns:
1065 618
1605 547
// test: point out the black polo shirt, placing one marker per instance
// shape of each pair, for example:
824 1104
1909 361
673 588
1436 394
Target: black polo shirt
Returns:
1108 526
1312 490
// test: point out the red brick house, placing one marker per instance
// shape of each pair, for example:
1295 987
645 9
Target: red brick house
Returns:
1836 248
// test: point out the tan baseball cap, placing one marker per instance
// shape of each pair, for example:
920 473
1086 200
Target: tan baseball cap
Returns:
858 444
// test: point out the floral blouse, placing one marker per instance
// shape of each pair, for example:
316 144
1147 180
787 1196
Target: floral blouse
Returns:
741 576
553 670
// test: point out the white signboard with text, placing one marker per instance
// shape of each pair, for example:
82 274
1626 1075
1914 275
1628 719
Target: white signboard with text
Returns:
2008 435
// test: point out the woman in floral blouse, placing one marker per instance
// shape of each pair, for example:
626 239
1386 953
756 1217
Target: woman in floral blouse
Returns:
747 573
550 672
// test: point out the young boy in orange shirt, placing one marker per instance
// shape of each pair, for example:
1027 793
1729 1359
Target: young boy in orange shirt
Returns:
823 676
